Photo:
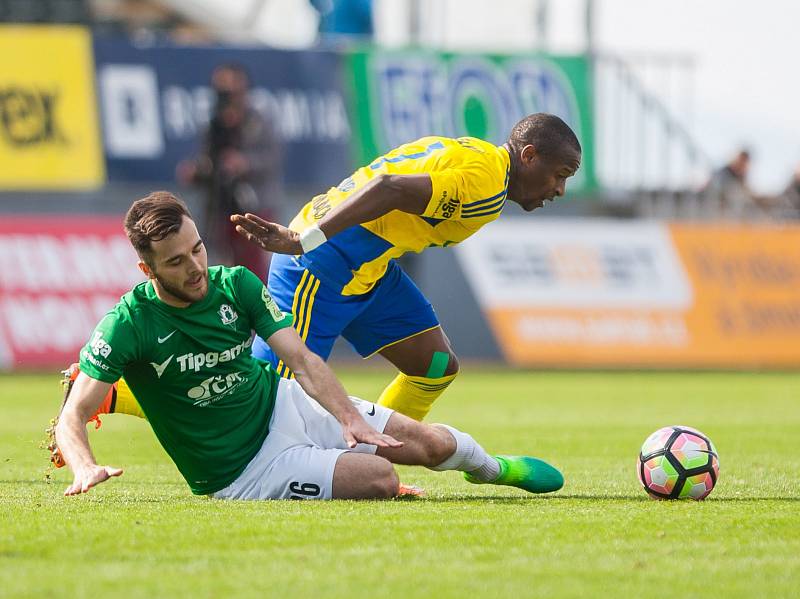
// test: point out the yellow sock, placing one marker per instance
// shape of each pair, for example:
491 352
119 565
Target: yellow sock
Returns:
414 395
126 403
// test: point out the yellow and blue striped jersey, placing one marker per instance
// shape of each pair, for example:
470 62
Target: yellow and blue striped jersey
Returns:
470 183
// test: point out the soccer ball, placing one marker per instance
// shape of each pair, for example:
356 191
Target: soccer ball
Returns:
678 462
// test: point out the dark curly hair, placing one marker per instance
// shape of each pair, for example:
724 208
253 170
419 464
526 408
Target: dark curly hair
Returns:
545 132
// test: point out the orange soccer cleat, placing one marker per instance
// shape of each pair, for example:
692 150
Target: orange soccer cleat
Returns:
107 407
410 492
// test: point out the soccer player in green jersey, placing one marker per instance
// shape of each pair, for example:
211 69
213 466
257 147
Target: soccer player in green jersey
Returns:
235 430
334 266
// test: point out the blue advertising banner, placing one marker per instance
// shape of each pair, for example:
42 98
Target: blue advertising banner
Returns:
156 101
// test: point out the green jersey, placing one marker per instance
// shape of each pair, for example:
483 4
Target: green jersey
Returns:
192 372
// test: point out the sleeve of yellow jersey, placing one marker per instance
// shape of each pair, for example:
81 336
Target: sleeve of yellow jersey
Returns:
449 187
454 187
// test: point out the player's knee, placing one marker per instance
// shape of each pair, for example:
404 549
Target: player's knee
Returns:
437 445
452 365
385 482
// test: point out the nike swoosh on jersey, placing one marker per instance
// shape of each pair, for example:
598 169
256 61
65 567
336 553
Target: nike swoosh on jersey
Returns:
160 368
163 339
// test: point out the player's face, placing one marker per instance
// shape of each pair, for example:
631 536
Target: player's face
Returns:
180 266
541 178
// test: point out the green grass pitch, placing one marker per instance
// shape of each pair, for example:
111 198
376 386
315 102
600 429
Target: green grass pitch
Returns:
145 535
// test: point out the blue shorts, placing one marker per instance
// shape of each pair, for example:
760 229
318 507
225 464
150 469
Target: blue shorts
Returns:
392 311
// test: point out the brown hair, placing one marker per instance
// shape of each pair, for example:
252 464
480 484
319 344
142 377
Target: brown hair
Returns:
153 218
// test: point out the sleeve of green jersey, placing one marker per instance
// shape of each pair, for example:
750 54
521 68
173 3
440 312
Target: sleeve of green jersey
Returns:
110 348
266 316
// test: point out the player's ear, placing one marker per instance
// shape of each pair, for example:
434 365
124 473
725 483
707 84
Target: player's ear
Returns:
145 269
527 154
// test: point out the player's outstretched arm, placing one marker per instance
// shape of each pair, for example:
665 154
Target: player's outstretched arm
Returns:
271 237
86 396
318 380
384 193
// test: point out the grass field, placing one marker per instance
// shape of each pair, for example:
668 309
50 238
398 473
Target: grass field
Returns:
145 535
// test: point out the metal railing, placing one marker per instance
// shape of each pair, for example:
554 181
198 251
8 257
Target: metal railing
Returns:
641 142
649 163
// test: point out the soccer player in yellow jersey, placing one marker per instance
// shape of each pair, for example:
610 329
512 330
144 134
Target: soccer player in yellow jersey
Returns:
334 267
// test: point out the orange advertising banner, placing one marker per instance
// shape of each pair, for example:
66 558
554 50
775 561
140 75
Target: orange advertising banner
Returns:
746 309
630 294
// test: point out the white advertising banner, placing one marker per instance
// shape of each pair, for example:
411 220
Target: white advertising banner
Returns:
575 264
635 293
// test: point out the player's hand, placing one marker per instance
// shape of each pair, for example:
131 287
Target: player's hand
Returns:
359 431
268 236
89 477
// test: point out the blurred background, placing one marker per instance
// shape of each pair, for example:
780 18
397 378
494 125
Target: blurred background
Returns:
677 245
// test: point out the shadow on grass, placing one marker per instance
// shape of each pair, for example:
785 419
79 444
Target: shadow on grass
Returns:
141 495
645 498
523 500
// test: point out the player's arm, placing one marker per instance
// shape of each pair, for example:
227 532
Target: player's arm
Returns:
86 396
381 195
318 380
309 369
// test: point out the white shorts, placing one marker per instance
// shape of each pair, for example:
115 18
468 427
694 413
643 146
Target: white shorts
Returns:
299 454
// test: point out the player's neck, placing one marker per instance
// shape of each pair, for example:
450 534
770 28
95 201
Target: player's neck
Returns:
512 159
166 297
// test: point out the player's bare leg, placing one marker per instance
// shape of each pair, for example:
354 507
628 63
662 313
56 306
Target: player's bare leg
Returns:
427 366
423 444
438 447
364 476
442 447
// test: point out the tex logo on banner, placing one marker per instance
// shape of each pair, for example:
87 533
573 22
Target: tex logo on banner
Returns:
49 136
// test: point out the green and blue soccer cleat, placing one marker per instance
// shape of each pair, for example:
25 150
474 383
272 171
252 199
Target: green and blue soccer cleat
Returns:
530 474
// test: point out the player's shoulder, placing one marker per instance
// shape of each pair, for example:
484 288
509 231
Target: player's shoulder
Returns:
470 145
225 276
135 301
472 152
132 311
123 321
484 151
485 165
421 148
475 144
221 273
237 283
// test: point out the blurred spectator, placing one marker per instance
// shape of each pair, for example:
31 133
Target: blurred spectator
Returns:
790 198
239 167
785 205
727 193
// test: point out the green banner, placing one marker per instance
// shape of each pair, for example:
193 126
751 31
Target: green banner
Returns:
399 96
